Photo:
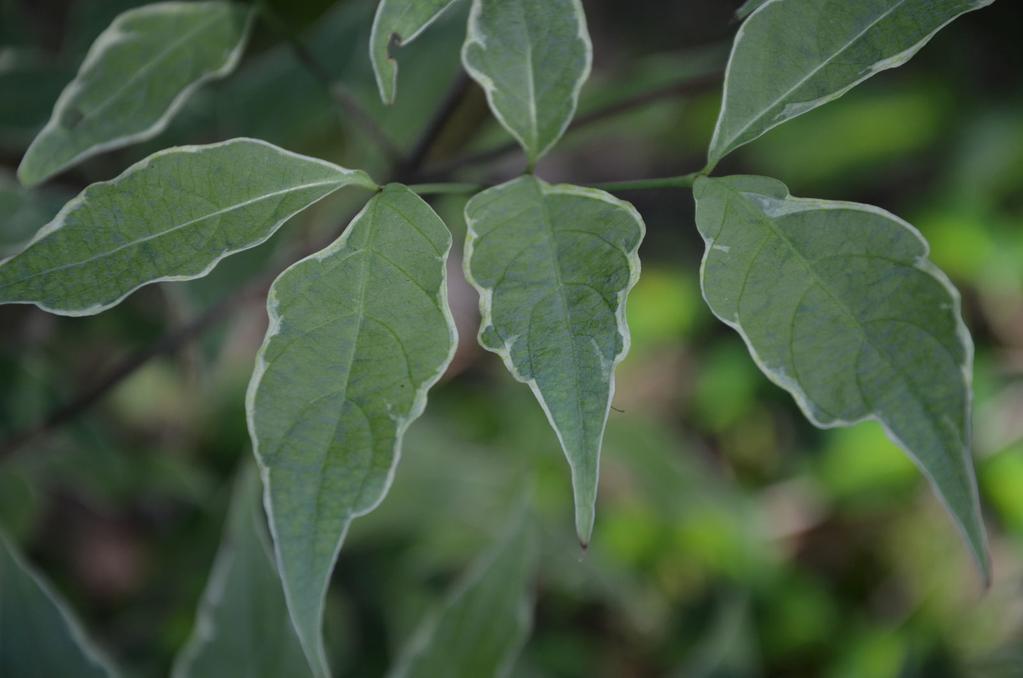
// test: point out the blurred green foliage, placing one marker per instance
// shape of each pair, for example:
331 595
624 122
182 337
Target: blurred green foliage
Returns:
732 538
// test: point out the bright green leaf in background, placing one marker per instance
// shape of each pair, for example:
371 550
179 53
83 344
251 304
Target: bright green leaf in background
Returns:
840 306
553 266
482 626
172 216
792 56
243 627
134 78
532 58
402 21
38 634
358 334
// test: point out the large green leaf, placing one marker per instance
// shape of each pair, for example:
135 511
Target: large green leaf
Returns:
553 266
481 627
134 78
840 306
243 627
358 334
532 58
792 56
38 634
401 21
172 216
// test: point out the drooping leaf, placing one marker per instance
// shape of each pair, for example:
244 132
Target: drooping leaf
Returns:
400 21
792 56
172 216
482 626
840 306
532 58
38 634
243 627
358 334
134 78
553 265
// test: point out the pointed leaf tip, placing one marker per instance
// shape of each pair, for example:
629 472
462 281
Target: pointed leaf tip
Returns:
136 76
554 266
358 334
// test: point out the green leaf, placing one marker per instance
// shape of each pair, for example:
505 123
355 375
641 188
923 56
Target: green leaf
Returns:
243 627
358 334
135 77
840 306
482 626
553 266
400 21
38 634
172 216
790 57
532 58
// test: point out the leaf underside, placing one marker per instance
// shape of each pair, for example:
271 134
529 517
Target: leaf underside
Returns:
402 20
531 57
243 627
38 634
358 334
840 306
792 56
136 75
483 624
172 216
553 265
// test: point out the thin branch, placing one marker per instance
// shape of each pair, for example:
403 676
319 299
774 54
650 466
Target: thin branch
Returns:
421 150
342 96
173 341
683 181
687 87
406 171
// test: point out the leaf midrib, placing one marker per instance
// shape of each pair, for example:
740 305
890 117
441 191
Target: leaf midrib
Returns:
175 228
148 66
867 336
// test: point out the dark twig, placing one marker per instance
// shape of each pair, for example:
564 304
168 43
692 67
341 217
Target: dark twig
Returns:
406 172
678 89
168 344
345 100
173 341
421 151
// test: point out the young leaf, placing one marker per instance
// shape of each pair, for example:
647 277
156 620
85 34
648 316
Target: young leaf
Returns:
400 21
553 266
134 78
791 57
172 216
243 627
38 634
532 58
840 306
358 334
482 626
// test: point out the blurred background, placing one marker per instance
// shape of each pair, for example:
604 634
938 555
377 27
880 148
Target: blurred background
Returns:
732 538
